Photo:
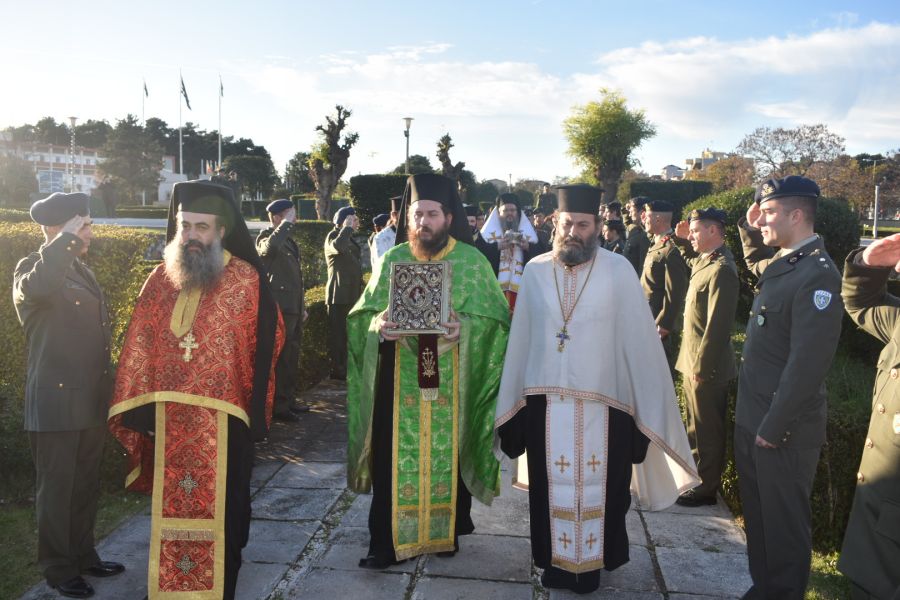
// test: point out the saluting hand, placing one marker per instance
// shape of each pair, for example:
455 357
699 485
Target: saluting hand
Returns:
763 443
884 252
73 225
753 214
682 230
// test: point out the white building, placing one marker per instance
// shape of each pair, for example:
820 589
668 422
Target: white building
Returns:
671 172
706 158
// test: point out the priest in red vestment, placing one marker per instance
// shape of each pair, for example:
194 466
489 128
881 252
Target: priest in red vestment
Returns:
194 389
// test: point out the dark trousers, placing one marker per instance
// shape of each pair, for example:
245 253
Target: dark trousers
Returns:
337 337
775 486
67 466
286 367
670 345
706 403
237 500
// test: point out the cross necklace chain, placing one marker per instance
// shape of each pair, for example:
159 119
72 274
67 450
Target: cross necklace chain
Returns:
563 334
188 341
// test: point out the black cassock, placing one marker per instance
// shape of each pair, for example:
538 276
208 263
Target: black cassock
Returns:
626 446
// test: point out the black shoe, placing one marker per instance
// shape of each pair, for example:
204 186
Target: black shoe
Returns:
287 417
299 409
692 499
76 587
373 562
105 568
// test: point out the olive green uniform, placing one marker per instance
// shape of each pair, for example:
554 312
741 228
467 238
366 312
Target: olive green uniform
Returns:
281 257
665 281
706 352
636 245
870 556
343 257
792 334
67 391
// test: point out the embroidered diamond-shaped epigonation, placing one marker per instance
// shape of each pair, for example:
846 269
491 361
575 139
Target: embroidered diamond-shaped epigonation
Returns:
188 484
185 565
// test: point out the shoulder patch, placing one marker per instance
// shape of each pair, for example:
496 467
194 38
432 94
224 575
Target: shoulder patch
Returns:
821 299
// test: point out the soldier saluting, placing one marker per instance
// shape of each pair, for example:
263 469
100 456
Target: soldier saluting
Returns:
792 335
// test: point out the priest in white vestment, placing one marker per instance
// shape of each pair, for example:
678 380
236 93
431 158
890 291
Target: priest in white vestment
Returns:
516 240
596 418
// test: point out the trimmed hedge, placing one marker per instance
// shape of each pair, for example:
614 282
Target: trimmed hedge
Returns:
371 195
678 193
142 212
13 215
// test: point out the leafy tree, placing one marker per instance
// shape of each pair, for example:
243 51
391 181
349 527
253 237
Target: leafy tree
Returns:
92 133
256 174
731 173
296 177
417 164
48 131
329 158
780 152
133 158
602 135
17 181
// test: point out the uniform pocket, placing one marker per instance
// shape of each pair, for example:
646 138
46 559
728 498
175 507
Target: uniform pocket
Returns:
888 523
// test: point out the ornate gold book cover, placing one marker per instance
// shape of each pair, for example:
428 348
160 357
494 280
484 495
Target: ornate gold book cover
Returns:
420 296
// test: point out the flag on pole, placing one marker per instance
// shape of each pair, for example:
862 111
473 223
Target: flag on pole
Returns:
184 93
146 93
221 88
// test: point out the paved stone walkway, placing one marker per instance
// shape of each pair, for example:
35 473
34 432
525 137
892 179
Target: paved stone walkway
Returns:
308 533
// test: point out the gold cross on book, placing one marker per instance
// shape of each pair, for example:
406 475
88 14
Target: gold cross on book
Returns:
189 343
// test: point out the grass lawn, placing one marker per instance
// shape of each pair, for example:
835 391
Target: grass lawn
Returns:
825 581
18 555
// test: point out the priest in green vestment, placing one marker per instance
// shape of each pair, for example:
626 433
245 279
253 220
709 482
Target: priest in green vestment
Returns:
420 437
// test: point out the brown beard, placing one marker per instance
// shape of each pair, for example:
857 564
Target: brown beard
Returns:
574 254
425 249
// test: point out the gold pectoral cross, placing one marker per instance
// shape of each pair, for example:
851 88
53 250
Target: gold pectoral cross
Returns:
188 343
563 335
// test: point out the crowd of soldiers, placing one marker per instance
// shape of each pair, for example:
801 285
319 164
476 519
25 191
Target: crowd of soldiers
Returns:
690 280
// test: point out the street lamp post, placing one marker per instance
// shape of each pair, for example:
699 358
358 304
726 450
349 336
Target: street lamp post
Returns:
409 121
72 153
874 162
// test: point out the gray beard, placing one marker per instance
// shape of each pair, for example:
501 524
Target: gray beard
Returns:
510 224
192 270
574 254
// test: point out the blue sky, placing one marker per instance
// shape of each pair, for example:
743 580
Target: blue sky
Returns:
499 76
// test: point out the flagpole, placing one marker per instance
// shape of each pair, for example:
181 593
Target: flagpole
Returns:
220 121
180 149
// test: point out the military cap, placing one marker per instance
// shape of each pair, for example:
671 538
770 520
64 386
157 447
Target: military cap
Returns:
792 185
616 225
710 213
342 214
276 206
57 208
381 220
639 201
538 211
616 206
660 206
206 198
579 198
471 210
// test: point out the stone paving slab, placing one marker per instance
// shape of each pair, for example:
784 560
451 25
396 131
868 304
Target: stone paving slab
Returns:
349 585
287 504
605 594
720 574
277 541
310 475
263 471
493 557
637 575
720 509
445 588
635 528
257 580
358 513
507 515
130 539
349 544
713 534
325 452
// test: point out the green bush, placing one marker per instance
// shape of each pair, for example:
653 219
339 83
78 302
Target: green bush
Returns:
310 237
678 193
314 365
116 259
13 215
142 212
371 195
849 383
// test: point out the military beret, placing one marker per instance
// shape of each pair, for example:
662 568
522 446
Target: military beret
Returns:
616 206
616 225
792 185
276 206
380 220
342 214
660 206
538 211
710 213
57 208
